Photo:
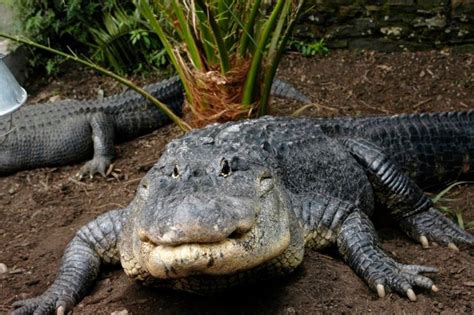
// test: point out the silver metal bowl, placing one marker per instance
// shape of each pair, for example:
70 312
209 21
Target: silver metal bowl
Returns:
12 95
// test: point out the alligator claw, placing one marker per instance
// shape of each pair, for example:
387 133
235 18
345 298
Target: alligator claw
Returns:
44 304
453 247
60 310
388 275
359 246
432 226
94 166
38 305
411 295
424 241
380 290
404 277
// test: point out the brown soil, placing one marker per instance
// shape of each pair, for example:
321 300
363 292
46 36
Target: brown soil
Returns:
40 210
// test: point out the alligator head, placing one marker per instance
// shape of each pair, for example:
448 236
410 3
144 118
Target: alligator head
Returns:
210 206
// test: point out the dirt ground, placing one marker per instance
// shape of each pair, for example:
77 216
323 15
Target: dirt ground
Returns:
40 210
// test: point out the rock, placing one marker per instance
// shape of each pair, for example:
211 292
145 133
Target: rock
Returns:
438 21
54 98
100 94
391 31
403 24
121 312
3 268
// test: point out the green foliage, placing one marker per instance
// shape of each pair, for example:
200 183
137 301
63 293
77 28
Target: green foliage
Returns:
441 200
72 56
61 20
52 64
310 49
225 51
109 32
126 43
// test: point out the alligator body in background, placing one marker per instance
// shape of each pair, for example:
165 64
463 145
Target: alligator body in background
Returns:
66 132
237 202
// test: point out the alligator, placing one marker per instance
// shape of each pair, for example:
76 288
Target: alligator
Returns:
60 133
234 203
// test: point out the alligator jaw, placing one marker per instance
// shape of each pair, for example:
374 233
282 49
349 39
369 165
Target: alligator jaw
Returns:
226 257
267 239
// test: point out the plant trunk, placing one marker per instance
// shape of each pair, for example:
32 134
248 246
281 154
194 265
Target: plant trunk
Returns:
218 97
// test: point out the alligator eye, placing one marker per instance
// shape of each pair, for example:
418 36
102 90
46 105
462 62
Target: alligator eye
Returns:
175 173
225 168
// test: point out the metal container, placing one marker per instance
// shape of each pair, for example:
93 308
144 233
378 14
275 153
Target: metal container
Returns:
12 95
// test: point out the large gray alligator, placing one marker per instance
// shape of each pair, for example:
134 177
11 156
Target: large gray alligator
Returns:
61 133
238 202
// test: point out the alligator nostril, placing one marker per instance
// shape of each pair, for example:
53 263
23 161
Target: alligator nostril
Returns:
236 234
144 237
242 228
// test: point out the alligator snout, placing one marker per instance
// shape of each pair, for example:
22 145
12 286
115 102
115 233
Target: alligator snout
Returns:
199 220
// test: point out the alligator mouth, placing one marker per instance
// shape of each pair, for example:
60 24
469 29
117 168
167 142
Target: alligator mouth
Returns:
267 239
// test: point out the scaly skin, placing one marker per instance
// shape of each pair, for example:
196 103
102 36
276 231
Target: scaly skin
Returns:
66 132
238 202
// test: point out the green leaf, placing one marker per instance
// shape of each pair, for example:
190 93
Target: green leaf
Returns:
186 36
217 34
250 83
248 29
275 51
459 219
440 195
180 123
146 10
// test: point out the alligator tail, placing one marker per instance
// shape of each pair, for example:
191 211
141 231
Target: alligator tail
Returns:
286 90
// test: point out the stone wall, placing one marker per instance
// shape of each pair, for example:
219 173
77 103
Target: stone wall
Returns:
389 25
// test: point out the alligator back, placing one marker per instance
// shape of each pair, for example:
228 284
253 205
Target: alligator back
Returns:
138 117
129 106
133 115
433 148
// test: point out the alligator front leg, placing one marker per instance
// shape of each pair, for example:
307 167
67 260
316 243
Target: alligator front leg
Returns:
406 201
94 244
104 151
358 244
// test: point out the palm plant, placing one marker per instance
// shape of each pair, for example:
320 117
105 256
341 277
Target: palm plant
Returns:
126 43
226 52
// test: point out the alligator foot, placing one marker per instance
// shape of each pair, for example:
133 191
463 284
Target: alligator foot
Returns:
98 164
432 226
104 151
44 304
358 244
94 244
